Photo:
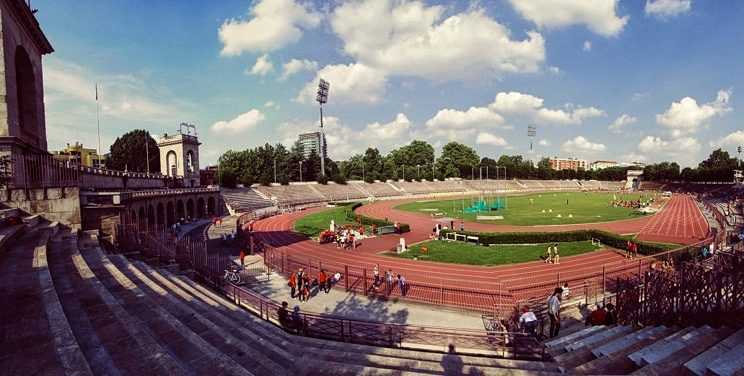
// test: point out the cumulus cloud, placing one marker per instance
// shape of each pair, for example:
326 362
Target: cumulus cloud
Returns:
687 116
242 122
349 83
621 122
271 104
587 46
732 139
295 66
532 106
457 125
485 138
271 25
686 147
664 9
581 144
600 16
411 38
394 130
262 66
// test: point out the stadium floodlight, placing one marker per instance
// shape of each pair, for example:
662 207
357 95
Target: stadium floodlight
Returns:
531 133
322 98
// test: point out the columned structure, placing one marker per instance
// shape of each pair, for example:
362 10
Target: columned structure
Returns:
179 157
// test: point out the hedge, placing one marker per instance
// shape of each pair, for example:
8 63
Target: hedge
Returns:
610 239
353 216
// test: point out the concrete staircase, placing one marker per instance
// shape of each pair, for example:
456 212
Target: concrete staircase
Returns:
655 350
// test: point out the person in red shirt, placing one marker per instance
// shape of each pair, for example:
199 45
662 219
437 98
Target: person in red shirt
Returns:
292 284
323 281
242 257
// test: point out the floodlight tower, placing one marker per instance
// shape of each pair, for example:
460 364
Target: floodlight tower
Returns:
322 99
531 132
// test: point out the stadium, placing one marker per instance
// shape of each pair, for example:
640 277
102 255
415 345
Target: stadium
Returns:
409 252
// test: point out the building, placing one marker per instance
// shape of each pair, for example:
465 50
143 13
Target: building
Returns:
179 156
208 176
598 165
81 156
311 141
575 164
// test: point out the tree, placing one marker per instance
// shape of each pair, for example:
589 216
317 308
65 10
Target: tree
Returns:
373 165
128 152
462 157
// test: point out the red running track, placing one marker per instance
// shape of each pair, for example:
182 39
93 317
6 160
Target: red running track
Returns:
680 222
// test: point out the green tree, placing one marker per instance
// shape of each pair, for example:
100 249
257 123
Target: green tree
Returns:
128 152
462 157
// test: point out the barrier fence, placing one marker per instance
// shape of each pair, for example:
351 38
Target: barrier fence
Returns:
164 248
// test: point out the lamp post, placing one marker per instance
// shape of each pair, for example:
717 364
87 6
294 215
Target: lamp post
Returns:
418 172
274 169
404 172
322 98
300 171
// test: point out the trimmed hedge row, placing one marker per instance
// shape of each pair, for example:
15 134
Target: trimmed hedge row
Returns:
353 216
610 239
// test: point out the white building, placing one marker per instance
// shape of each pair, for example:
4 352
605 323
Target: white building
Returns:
598 165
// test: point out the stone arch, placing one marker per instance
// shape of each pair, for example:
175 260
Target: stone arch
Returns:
26 95
211 206
171 163
190 208
170 213
160 214
142 219
151 217
200 209
180 210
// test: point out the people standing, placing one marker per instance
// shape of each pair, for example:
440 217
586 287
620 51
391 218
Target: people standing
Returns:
554 311
300 280
549 254
389 281
376 274
556 255
323 280
242 257
292 284
402 285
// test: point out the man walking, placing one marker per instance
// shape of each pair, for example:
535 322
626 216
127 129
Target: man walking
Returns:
300 280
554 311
402 285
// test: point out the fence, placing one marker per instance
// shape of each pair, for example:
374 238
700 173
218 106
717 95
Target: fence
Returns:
163 248
691 294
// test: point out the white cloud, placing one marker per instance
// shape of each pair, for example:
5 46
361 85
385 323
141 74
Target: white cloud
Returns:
600 16
544 142
587 46
732 139
532 106
394 130
349 83
272 104
410 38
465 121
262 67
633 157
272 25
621 122
676 147
686 116
665 9
485 138
581 144
242 122
295 66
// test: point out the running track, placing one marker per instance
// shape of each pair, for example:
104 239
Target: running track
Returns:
478 287
680 222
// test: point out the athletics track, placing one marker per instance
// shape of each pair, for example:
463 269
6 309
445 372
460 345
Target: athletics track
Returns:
475 287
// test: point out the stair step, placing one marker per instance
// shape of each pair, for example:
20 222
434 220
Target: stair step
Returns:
627 341
618 362
699 364
597 337
573 336
673 363
729 363
661 349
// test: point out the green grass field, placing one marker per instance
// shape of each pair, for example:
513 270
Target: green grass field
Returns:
311 225
471 254
527 210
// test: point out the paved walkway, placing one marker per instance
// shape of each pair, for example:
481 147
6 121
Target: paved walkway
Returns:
351 305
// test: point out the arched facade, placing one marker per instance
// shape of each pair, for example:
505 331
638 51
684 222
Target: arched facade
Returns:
201 210
190 209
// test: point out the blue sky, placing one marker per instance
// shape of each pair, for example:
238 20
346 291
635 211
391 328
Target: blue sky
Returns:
601 79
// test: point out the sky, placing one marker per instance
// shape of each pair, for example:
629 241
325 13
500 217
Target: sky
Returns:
623 80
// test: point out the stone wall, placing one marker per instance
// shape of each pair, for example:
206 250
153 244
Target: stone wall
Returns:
55 204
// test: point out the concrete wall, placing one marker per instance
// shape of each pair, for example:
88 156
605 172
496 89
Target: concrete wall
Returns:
118 182
55 204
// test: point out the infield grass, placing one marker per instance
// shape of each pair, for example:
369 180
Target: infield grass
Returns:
549 208
472 254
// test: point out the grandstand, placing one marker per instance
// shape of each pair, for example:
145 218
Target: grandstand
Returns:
340 192
295 194
244 200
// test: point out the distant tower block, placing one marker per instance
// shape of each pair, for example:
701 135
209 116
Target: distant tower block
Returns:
179 155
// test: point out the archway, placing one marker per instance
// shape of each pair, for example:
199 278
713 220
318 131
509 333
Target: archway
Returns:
190 208
210 206
171 160
170 213
141 219
151 217
200 207
180 212
26 95
161 214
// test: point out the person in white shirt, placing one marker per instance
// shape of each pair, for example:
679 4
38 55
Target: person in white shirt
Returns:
528 321
554 311
566 292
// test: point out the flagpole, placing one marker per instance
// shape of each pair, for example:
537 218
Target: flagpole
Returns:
98 125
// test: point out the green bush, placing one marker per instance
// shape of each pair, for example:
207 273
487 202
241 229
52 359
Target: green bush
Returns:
353 216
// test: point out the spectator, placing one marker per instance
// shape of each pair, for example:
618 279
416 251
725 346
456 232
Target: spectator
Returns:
528 321
300 279
323 280
283 315
566 292
389 280
297 320
242 257
554 311
597 317
402 285
376 273
292 284
611 316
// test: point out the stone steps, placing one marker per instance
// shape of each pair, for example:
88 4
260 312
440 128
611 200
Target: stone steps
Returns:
181 333
674 362
113 342
699 364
